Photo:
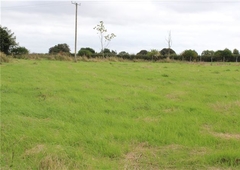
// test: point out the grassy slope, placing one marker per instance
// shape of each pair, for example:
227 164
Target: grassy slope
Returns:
102 115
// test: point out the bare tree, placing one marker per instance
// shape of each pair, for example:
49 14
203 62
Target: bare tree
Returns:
169 42
104 39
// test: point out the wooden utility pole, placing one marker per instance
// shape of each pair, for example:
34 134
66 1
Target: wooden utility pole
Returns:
76 4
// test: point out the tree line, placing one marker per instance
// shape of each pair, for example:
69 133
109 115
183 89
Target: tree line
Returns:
225 55
10 47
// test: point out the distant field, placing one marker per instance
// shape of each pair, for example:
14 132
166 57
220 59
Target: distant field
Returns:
119 115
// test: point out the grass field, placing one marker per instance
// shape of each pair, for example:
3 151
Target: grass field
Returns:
119 115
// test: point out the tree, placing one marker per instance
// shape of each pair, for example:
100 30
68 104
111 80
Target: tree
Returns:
60 48
226 54
104 39
114 52
169 42
236 54
19 51
122 53
207 54
166 51
106 51
90 49
189 54
154 54
7 41
218 55
142 52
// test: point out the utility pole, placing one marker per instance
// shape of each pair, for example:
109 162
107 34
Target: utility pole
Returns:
76 4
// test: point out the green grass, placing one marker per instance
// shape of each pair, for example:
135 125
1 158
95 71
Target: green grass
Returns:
119 115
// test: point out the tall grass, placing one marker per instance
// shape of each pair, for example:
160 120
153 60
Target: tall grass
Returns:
119 115
3 58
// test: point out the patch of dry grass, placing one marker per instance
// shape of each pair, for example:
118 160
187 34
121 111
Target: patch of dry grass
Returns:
227 136
35 150
223 107
51 162
176 96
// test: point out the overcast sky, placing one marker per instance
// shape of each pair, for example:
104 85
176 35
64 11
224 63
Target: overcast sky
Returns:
194 24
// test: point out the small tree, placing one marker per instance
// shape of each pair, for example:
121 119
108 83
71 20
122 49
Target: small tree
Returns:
169 42
104 39
236 54
7 40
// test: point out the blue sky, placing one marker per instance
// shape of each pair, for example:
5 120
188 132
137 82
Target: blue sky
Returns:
198 25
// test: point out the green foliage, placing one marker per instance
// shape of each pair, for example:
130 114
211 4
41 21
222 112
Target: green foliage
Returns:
90 49
189 55
218 54
207 53
7 41
227 54
224 55
86 52
164 52
122 53
119 115
142 52
60 48
236 52
19 51
106 51
153 54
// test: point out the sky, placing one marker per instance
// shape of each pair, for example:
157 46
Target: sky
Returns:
138 25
